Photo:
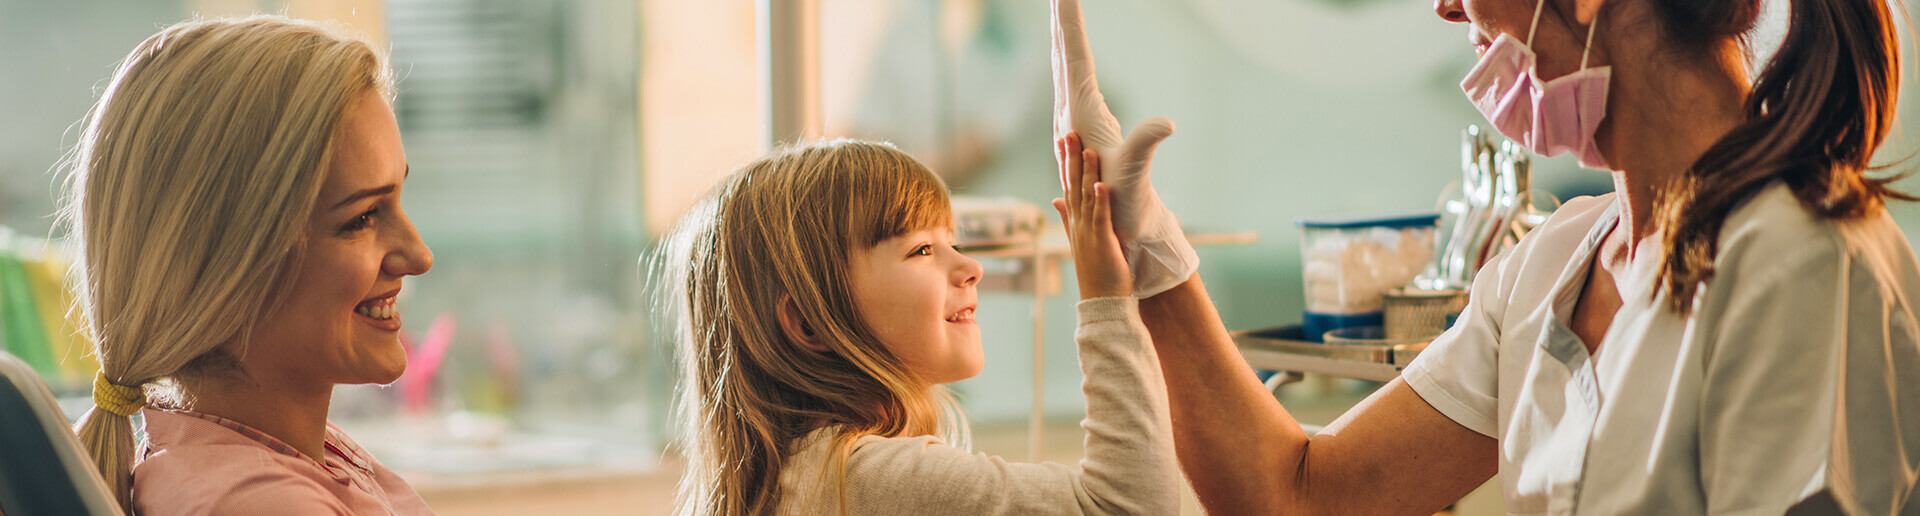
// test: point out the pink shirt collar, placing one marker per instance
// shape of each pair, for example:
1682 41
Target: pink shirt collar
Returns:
193 444
341 451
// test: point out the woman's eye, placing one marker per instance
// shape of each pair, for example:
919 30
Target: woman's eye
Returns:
364 221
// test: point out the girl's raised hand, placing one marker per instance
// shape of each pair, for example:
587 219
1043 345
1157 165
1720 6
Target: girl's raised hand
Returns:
1087 212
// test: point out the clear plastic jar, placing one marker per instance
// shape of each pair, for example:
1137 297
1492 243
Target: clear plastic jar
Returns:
1348 265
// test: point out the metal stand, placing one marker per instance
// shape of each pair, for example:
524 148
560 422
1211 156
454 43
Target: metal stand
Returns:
1283 348
1036 420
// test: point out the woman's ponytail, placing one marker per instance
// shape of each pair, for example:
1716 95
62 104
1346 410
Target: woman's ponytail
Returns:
107 433
1817 113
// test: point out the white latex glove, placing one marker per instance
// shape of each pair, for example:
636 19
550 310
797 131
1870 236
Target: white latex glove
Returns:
1150 237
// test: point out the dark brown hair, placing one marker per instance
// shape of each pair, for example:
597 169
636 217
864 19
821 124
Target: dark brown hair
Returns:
1817 112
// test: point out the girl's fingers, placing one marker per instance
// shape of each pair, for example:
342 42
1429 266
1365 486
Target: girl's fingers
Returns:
1060 205
1075 166
1102 208
1089 174
1060 158
1094 172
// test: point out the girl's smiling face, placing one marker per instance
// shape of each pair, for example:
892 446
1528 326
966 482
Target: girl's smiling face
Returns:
336 323
916 291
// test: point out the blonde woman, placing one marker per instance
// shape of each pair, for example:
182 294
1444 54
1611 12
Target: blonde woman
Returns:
235 196
823 303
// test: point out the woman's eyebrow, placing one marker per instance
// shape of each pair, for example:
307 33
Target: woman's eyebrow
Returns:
370 192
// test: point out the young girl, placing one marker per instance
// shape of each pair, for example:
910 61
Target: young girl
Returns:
822 305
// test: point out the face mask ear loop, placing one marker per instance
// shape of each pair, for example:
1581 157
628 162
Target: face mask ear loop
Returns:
1583 64
1537 7
1583 53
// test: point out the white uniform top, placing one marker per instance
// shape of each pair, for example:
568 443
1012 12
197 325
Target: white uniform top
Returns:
1797 374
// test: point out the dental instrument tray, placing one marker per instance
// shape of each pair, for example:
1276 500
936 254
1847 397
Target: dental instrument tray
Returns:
995 222
1285 348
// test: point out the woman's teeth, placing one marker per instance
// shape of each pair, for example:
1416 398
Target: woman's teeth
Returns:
963 315
380 309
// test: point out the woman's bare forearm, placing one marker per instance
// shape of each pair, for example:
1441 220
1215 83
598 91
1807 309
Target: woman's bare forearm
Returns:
1393 453
1239 449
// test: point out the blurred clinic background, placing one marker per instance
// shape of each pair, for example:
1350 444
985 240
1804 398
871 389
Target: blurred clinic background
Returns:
555 140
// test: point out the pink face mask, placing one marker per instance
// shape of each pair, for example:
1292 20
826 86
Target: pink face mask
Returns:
1551 118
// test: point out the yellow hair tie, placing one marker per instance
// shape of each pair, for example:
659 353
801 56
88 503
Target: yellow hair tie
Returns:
118 399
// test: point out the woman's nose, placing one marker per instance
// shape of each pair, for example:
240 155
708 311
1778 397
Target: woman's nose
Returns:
411 257
1450 10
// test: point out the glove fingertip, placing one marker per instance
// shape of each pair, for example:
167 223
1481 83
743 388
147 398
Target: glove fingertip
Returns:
1159 126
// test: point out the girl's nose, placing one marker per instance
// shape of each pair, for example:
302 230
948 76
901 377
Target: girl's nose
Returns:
968 273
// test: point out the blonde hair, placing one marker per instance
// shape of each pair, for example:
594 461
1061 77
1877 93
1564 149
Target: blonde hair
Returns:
189 192
786 225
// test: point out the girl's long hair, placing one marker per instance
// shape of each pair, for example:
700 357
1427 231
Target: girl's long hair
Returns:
783 228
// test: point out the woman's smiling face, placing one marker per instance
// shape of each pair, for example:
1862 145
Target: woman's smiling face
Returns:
1559 39
337 322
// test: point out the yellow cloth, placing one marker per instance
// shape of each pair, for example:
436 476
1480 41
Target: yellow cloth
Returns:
118 399
46 277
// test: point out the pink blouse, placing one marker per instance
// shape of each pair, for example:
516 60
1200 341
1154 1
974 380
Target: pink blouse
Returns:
195 463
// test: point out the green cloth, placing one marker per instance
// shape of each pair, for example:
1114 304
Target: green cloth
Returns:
20 317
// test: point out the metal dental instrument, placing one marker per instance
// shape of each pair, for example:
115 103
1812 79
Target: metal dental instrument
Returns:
1451 265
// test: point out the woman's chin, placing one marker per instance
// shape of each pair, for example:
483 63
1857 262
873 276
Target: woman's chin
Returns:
382 369
390 376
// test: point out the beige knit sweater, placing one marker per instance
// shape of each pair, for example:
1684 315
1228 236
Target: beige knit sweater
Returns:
1129 467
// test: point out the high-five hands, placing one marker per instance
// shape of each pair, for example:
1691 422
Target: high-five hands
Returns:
1150 237
1087 211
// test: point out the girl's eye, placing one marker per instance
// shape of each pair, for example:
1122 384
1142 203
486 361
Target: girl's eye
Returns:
364 221
957 249
923 250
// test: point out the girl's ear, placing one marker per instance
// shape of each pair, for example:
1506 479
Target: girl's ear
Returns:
796 327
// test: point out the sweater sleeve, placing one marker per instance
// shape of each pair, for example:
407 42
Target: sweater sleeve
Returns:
1129 466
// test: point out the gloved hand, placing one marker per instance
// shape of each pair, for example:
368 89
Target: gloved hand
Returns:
1150 237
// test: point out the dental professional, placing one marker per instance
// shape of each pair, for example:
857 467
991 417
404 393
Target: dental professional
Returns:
235 198
1731 331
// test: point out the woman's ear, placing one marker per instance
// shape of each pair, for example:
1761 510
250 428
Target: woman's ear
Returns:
796 327
1585 10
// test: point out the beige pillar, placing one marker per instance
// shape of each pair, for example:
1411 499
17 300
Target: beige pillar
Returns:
699 118
366 16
